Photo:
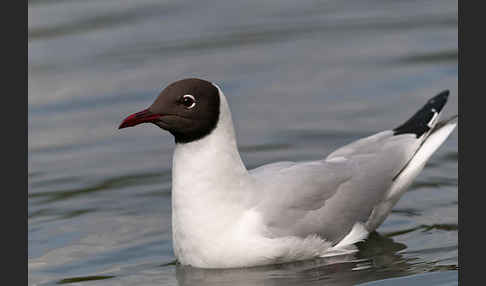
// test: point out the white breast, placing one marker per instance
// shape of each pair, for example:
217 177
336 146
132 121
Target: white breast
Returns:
213 220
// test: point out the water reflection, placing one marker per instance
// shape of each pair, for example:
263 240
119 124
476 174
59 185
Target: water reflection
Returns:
378 257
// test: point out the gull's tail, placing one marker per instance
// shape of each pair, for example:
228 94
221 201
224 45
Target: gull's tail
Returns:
431 133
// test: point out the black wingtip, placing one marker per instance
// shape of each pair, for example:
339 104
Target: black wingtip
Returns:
420 122
439 101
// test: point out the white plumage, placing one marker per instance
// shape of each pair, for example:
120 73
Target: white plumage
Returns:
227 216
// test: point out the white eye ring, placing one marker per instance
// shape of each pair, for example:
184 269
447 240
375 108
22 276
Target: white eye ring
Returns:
193 101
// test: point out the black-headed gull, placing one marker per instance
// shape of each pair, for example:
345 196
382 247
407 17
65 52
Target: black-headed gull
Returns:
225 216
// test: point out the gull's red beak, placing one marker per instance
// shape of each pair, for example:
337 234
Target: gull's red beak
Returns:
139 117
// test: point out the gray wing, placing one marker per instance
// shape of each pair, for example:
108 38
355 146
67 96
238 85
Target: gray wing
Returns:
329 196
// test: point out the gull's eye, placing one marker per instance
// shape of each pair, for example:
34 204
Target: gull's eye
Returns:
188 101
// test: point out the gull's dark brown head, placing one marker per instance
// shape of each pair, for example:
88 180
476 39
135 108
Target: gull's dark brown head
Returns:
188 109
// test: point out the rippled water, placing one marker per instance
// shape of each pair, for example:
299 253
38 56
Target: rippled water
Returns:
302 79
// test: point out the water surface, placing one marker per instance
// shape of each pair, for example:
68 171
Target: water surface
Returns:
302 79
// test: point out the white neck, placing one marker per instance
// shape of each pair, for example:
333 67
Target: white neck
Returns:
209 185
214 157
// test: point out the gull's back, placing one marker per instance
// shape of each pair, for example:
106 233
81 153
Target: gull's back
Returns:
357 184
